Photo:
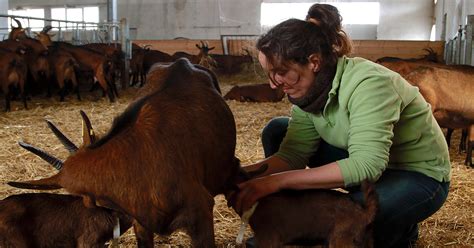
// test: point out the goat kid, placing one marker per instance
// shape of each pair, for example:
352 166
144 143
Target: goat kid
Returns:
312 217
55 220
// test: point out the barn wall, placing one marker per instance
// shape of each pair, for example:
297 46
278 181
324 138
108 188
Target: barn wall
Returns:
405 20
369 49
197 19
3 21
456 12
209 19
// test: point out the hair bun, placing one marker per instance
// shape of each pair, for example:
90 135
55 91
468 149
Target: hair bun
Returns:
314 21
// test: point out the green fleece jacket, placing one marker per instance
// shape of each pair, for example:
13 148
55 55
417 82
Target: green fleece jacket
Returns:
379 118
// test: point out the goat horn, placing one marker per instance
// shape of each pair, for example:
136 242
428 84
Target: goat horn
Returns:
71 147
17 23
46 29
88 135
55 162
41 184
430 50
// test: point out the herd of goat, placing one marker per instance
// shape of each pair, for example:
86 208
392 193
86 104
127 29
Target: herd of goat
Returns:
31 66
173 149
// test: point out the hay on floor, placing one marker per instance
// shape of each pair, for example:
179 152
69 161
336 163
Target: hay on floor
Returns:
451 226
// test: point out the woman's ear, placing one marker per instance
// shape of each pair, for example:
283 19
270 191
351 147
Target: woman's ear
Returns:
314 62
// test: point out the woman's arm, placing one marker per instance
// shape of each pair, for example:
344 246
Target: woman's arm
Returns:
323 177
275 165
326 176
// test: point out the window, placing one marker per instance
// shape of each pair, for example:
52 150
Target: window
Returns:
351 12
433 33
86 14
35 25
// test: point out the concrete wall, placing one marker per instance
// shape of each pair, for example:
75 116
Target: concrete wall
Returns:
456 12
208 19
196 19
201 19
3 21
405 20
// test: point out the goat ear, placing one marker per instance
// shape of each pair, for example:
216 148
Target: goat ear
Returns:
88 135
211 48
41 184
198 46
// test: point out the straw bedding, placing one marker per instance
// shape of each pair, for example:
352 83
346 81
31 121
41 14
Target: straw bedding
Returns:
452 226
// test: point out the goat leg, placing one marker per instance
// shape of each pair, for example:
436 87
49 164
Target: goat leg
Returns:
449 133
462 144
200 225
468 160
143 236
7 101
23 98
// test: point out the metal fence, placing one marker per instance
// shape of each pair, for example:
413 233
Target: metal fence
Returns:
76 32
459 50
79 33
237 44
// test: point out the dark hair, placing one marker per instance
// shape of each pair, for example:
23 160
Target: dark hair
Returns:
329 19
294 41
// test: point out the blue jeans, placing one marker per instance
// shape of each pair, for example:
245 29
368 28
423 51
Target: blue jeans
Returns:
405 198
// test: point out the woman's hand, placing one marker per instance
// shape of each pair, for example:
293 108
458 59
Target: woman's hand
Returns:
251 191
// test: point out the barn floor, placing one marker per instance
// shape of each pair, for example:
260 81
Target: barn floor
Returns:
452 226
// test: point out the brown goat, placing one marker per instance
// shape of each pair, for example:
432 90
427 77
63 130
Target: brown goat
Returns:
231 64
63 67
102 67
449 92
13 74
202 58
461 91
167 155
154 56
54 220
36 57
312 217
113 52
137 72
431 56
255 93
17 32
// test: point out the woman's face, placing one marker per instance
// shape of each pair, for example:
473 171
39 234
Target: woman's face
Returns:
295 79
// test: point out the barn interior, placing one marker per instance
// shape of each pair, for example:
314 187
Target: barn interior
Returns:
405 29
